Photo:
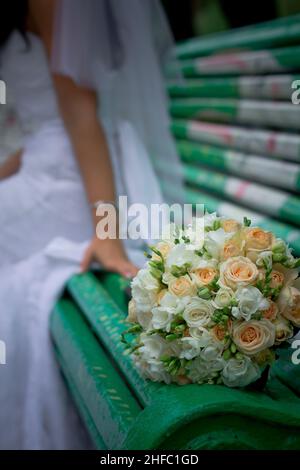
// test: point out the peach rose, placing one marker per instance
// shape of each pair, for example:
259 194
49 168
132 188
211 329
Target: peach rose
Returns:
257 240
231 248
289 304
230 225
182 286
204 276
254 336
277 279
238 271
271 312
132 316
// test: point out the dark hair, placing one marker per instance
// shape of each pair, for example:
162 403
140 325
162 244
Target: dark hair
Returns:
13 17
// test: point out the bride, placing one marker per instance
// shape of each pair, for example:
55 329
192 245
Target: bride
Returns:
85 77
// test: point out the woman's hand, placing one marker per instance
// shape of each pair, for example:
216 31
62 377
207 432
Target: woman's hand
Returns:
111 255
11 165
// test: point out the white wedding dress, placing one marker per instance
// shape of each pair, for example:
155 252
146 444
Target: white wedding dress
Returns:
45 225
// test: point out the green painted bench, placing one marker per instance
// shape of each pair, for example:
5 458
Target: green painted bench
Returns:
123 411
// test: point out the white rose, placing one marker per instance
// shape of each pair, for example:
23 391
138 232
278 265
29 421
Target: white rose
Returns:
154 346
153 370
195 233
198 312
215 240
178 304
201 370
223 298
212 351
201 334
180 255
240 372
250 300
144 290
162 318
144 319
190 348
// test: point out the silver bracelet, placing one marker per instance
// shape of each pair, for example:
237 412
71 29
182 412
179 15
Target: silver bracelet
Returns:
95 205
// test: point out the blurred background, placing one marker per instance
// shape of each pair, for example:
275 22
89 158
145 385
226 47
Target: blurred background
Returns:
236 128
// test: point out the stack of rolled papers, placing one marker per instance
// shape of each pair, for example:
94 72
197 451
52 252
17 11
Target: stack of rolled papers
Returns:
236 121
282 145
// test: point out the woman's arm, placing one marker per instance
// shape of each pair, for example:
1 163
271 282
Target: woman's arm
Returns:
11 165
78 108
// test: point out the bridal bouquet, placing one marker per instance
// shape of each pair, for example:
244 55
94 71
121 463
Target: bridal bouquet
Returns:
213 308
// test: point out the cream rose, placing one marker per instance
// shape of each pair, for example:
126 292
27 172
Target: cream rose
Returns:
289 304
204 276
223 297
283 330
253 336
257 240
271 312
238 271
231 248
198 312
182 286
230 225
132 317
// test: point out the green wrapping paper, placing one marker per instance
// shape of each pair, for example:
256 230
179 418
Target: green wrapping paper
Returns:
277 173
282 31
236 63
267 200
269 87
265 113
227 209
261 142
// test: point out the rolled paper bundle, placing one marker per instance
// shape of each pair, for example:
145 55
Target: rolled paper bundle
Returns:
277 173
279 32
237 63
265 113
277 87
228 209
267 200
275 144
